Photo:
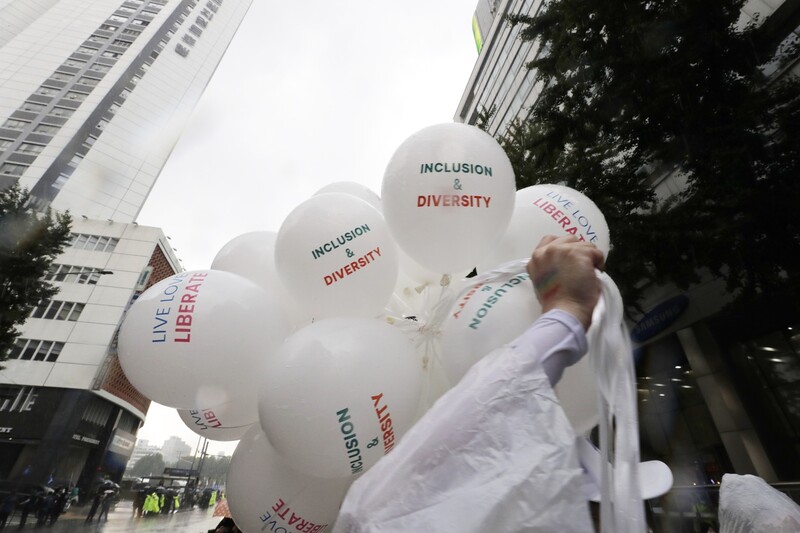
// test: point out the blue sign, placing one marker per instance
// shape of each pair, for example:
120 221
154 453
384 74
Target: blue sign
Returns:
659 318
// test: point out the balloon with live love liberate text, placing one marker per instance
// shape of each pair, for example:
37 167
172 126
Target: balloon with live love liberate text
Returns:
213 423
200 338
546 209
339 394
264 494
448 194
336 256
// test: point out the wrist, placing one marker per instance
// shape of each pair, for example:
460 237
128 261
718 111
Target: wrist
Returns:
579 311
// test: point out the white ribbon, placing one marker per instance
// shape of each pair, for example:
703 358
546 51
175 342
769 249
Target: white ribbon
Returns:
622 508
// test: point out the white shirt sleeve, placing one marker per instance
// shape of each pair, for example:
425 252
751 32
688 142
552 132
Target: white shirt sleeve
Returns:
495 453
556 340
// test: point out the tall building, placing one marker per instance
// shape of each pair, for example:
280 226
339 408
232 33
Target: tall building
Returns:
173 449
93 97
718 393
67 412
141 449
501 82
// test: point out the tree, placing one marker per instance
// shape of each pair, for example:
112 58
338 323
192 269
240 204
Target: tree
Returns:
29 242
215 469
633 90
149 465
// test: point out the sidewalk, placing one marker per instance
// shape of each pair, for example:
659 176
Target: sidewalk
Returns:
121 520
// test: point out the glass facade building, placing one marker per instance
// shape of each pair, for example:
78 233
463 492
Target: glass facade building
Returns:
93 97
719 391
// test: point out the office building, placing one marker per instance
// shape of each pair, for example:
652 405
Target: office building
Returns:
142 449
718 392
93 97
174 449
67 411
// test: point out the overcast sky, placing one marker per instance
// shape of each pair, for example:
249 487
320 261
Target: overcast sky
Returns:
308 93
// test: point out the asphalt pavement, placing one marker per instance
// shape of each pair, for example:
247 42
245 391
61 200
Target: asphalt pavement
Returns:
121 520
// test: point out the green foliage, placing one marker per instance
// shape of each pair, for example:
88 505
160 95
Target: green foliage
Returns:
634 91
149 465
215 469
29 242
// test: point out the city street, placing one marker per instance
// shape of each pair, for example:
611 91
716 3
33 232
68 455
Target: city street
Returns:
120 520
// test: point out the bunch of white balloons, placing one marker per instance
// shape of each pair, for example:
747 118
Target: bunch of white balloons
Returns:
320 345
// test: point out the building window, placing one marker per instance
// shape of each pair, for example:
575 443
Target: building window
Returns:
87 50
110 54
62 112
83 241
75 63
14 124
75 96
33 107
121 43
58 310
97 67
61 180
30 148
109 27
118 18
74 274
46 91
36 350
88 81
12 169
46 129
60 76
5 143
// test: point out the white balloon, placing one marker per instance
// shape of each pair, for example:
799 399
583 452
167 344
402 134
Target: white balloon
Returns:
355 189
493 313
339 394
200 338
336 256
251 255
264 494
207 423
448 194
542 210
486 317
421 276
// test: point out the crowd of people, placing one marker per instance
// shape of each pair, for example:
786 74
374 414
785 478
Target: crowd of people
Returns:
151 501
43 506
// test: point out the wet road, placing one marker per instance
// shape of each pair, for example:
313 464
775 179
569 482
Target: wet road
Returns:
120 520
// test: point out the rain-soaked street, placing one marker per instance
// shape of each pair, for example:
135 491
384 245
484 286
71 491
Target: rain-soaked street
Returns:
121 520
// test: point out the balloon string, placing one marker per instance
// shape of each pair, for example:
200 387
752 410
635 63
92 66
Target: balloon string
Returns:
611 356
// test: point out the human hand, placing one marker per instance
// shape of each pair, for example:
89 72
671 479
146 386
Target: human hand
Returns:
563 273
